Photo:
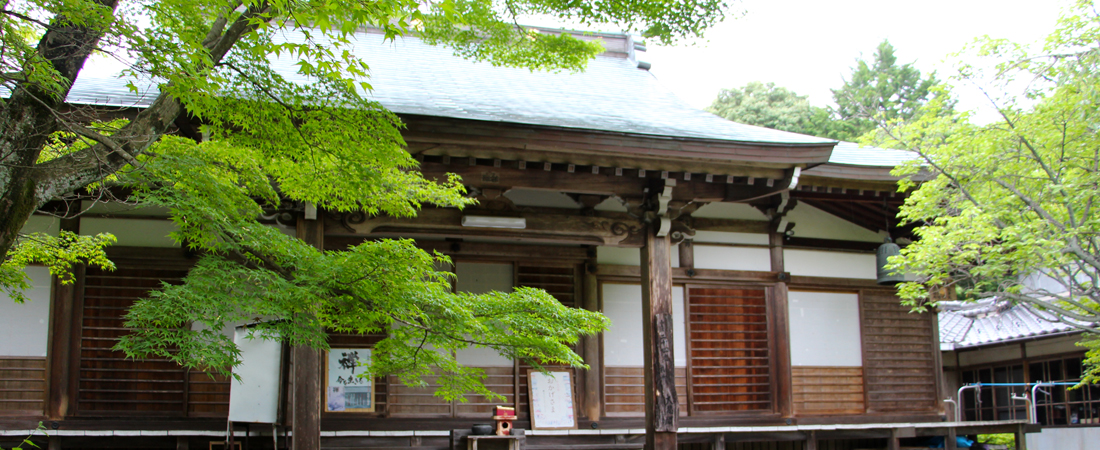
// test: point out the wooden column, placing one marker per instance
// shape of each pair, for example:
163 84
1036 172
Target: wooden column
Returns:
949 440
661 406
687 254
1021 437
811 441
591 350
784 396
63 352
892 442
306 409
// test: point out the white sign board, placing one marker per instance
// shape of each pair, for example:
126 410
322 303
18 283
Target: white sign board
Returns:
255 398
345 390
551 397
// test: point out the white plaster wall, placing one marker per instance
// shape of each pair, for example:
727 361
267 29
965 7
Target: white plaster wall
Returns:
990 355
824 329
479 278
42 224
132 232
630 256
611 204
811 222
622 342
121 209
26 326
718 210
1073 438
731 258
814 263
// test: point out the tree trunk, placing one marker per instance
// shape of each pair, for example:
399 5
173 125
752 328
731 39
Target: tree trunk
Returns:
30 116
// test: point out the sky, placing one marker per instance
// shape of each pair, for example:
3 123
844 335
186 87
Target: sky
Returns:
810 46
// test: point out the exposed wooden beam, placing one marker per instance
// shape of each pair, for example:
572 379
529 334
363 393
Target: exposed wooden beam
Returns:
608 229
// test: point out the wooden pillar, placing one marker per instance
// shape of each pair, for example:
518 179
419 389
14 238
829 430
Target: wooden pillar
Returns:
687 254
661 407
811 441
781 348
719 442
949 440
306 409
63 346
1021 437
592 378
893 442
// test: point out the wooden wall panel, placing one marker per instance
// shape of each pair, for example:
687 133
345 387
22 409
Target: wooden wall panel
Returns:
624 389
22 385
110 383
406 401
207 394
899 355
828 390
500 380
728 345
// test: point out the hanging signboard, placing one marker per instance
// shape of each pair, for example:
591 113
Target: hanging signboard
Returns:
254 398
345 390
551 397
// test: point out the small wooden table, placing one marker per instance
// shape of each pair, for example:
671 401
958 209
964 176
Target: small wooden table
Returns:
495 442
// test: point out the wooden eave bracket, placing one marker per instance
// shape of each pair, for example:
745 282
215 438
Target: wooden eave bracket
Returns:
751 193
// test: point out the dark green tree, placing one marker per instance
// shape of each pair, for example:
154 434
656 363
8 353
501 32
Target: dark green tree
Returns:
882 91
770 106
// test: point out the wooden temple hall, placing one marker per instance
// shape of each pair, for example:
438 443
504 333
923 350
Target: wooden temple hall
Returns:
737 265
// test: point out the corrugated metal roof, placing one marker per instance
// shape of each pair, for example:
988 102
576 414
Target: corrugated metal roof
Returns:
411 77
991 321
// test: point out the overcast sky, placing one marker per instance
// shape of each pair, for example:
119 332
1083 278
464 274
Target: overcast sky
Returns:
809 46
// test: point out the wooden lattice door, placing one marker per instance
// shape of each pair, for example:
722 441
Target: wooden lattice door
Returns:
729 356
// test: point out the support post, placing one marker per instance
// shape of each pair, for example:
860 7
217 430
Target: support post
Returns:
811 441
592 351
949 441
1021 437
781 349
687 254
661 405
306 409
893 442
719 442
64 331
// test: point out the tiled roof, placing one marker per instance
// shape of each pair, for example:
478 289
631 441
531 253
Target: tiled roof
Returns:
991 321
411 77
853 154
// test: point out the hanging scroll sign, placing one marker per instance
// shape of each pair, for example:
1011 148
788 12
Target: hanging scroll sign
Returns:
345 390
551 397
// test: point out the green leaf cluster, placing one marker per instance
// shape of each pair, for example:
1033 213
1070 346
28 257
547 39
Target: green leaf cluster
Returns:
252 272
270 138
877 92
1006 204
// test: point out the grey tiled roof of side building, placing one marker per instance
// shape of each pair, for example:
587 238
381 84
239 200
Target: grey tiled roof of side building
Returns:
989 321
411 77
